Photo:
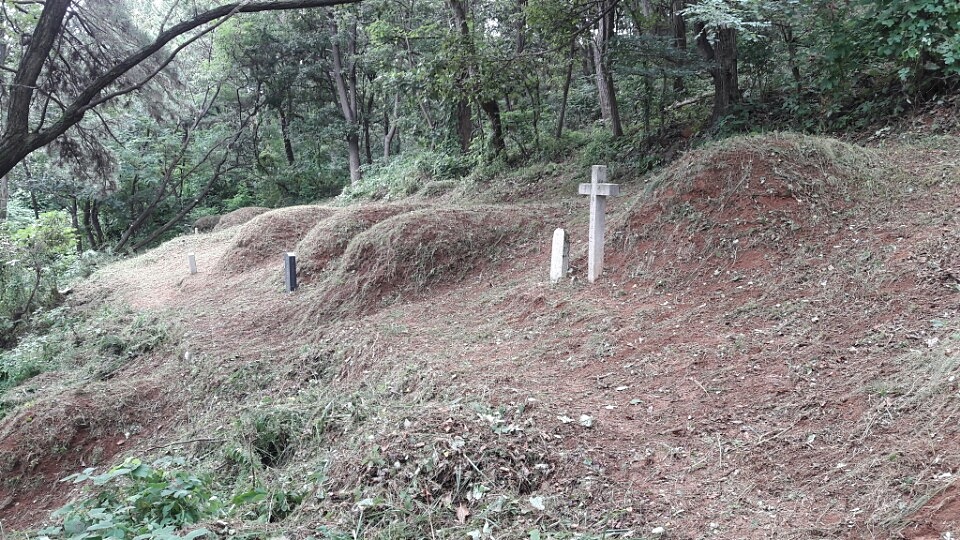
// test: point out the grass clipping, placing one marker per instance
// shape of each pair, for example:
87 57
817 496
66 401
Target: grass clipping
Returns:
750 192
411 251
269 235
239 217
328 240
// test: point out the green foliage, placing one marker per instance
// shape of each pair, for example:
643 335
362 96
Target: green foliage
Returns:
33 259
408 173
270 505
137 501
921 36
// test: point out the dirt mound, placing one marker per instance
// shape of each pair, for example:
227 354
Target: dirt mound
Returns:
411 251
739 202
239 217
270 234
62 435
329 238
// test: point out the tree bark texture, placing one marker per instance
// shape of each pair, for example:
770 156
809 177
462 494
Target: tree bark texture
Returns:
723 58
345 80
492 109
678 29
4 198
609 110
285 133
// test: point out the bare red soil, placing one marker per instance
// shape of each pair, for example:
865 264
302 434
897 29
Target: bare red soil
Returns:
773 351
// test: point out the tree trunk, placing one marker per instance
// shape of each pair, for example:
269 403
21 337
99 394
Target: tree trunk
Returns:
723 69
368 111
727 81
285 133
88 223
345 80
34 204
463 113
609 110
74 210
390 127
464 124
678 27
4 198
492 109
566 91
95 219
790 40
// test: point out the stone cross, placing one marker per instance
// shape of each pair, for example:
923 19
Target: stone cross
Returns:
560 257
290 271
192 262
598 190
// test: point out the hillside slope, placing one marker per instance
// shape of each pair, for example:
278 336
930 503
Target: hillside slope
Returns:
773 352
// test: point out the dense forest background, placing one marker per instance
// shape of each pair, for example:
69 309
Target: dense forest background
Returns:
376 98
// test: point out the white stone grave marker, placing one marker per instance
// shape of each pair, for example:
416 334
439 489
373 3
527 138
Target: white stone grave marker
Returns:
560 257
598 190
192 262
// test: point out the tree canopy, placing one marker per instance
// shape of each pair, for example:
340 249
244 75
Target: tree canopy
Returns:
151 115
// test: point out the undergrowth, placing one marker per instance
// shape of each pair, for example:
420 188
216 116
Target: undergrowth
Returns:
82 346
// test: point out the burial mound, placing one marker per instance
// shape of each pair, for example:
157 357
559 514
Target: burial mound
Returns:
412 251
329 238
745 202
269 235
239 217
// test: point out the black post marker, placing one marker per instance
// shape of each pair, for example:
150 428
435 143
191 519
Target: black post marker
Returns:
290 271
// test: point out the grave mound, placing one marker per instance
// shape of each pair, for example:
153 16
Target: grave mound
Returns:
742 202
239 217
406 254
328 239
267 236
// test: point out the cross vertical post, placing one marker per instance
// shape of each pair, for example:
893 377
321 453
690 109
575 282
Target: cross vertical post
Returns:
598 189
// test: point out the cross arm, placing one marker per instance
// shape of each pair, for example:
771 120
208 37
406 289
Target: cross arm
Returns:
603 190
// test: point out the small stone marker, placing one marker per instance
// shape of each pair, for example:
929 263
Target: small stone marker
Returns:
290 271
196 230
560 257
598 190
192 262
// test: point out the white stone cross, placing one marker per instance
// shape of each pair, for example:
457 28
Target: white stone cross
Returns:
598 190
192 262
560 256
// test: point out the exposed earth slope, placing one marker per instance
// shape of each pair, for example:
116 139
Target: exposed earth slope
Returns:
773 352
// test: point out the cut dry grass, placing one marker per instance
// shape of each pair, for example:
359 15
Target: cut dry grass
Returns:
271 234
409 252
329 238
741 201
239 217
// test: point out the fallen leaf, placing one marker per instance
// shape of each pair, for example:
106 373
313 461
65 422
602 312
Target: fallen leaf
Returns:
462 513
537 502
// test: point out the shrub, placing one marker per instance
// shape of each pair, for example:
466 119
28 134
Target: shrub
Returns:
136 500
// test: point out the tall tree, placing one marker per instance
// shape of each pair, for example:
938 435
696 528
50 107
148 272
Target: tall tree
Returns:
601 46
34 119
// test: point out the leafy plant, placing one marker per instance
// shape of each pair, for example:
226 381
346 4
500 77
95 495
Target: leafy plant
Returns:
34 258
137 501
